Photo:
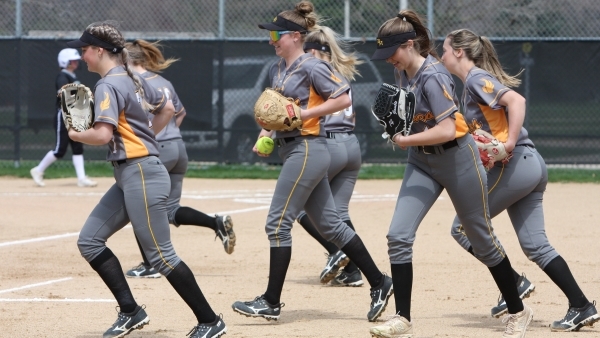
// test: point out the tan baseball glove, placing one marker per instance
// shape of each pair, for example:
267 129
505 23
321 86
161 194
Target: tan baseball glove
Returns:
490 149
77 104
273 111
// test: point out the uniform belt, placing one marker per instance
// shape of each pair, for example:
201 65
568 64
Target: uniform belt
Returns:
435 149
118 163
285 140
331 134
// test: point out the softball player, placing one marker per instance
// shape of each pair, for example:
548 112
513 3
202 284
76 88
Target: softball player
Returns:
68 61
518 186
146 59
441 156
142 184
344 149
302 183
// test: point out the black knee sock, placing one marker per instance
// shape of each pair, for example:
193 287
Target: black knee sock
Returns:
108 267
183 281
402 274
189 216
278 266
146 263
561 275
312 230
515 273
504 277
356 250
351 267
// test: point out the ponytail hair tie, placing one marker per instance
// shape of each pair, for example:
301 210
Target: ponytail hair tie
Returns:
401 17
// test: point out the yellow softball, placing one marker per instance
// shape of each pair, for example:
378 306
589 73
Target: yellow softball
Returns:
265 145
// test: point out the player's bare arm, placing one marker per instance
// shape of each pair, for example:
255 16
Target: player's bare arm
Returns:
100 134
516 115
443 132
162 118
332 105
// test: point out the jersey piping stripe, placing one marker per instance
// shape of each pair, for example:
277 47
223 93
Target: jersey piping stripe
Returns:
148 217
498 180
486 212
291 193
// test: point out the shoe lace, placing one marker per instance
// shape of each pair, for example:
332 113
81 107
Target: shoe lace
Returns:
511 323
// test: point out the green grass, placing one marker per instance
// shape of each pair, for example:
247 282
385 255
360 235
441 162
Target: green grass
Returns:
64 169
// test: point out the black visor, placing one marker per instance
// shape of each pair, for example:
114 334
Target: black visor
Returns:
316 46
387 45
88 39
281 24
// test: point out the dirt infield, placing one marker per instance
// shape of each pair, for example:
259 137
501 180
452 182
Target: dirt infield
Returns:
48 290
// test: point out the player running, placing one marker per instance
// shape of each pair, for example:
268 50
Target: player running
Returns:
302 183
147 60
142 184
519 185
442 155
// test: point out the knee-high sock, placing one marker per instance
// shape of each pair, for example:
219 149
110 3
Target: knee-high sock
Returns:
356 250
79 168
504 277
515 273
351 267
312 230
189 216
402 275
561 275
183 281
48 159
108 267
278 266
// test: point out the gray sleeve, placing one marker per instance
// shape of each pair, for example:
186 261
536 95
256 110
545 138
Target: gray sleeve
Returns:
107 104
486 89
327 82
439 92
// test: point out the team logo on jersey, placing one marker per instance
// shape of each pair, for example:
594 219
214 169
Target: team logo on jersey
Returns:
488 86
424 117
105 104
446 95
474 125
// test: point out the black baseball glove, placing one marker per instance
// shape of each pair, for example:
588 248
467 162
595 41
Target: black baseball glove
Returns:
394 109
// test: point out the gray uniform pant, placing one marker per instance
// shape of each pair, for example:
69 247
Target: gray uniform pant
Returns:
343 170
302 184
138 195
518 187
175 159
460 172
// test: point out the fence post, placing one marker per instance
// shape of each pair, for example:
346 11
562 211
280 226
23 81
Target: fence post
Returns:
17 126
430 17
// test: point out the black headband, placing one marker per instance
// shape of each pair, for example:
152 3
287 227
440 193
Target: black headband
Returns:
88 39
281 24
317 46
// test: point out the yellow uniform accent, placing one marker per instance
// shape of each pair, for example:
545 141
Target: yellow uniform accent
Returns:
105 104
149 221
291 193
134 146
312 126
497 121
475 157
461 125
488 86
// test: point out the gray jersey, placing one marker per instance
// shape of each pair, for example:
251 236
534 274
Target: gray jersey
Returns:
132 136
171 130
309 81
481 108
341 121
436 100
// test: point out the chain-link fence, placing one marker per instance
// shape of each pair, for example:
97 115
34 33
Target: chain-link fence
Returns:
224 58
358 19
